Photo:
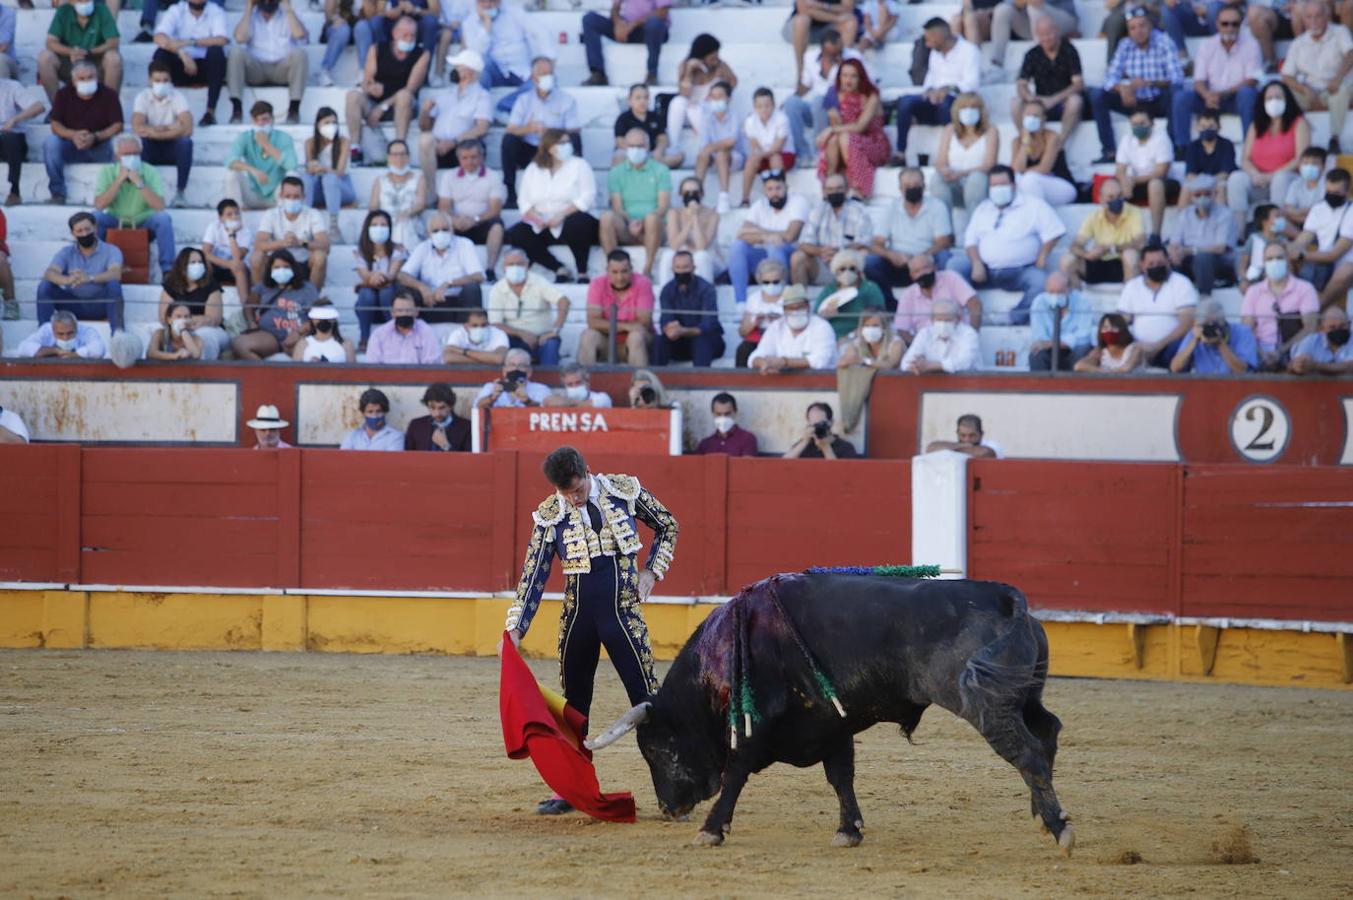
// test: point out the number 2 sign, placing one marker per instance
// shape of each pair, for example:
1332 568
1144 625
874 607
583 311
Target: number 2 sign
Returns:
1260 428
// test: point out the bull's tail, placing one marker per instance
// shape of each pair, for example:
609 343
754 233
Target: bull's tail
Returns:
1002 673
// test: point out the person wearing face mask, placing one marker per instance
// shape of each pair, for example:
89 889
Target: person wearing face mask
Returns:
227 243
729 438
258 160
917 223
461 112
967 150
640 194
873 346
405 340
797 340
916 303
471 196
1051 73
771 229
1059 303
375 433
62 338
1038 160
1209 153
954 68
129 193
689 327
1108 245
324 341
946 346
1325 245
268 424
276 311
85 116
445 272
515 389
1279 307
1114 353
1159 304
82 31
557 191
401 192
529 309
191 40
694 227
372 30
84 278
441 430
1327 352
1142 166
378 259
174 340
848 294
839 222
160 118
296 227
327 183
1225 76
190 283
1273 146
475 343
763 308
1203 238
393 72
502 34
718 132
696 76
1215 346
539 109
1306 190
575 390
637 114
1143 74
1317 66
269 50
1269 227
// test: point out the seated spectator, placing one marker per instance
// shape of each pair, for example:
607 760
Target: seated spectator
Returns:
445 272
1307 189
84 278
967 150
1051 74
557 191
128 193
1023 21
191 40
763 308
15 110
10 307
1215 346
502 34
323 340
728 438
693 227
689 327
854 142
173 340
1107 249
1317 65
765 141
634 22
771 229
9 23
269 50
515 388
818 440
575 390
640 193
1210 153
1226 73
160 118
461 112
189 282
879 23
1114 353
327 182
946 345
12 428
441 430
80 32
806 107
258 160
401 193
873 345
275 310
631 296
718 131
810 21
379 28
374 433
797 340
405 340
1327 352
1280 308
1039 162
1143 164
848 294
471 196
1059 303
646 391
1268 24
917 223
227 244
85 116
637 114
1159 304
475 343
971 441
1269 227
529 309
378 259
268 424
1273 147
392 74
1143 74
696 76
63 338
340 18
1325 244
294 226
916 305
1203 238
839 222
541 111
954 68
1008 242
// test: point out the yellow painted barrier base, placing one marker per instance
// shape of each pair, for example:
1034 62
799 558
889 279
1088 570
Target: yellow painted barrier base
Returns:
473 625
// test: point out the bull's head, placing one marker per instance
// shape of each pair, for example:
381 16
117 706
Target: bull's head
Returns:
682 774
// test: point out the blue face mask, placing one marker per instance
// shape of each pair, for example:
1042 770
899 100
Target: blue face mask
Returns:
293 207
442 423
375 423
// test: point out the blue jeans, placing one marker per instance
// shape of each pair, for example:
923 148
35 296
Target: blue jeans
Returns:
701 350
1103 102
653 34
546 353
743 259
161 229
53 297
336 41
1207 269
916 108
1180 22
328 190
177 152
57 152
376 30
1028 279
373 308
151 8
493 77
1186 104
804 116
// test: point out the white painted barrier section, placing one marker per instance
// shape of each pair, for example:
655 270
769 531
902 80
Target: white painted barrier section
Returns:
939 510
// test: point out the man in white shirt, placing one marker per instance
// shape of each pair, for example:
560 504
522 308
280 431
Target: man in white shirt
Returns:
476 343
1159 304
293 226
1142 162
515 388
947 344
191 39
268 50
1317 65
446 273
1009 242
472 196
1326 241
17 105
63 338
771 229
12 428
797 340
576 390
955 67
461 112
160 118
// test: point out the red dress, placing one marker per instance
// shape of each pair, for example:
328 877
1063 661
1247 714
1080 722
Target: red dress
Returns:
869 149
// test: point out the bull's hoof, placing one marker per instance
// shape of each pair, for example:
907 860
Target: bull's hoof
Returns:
1067 839
847 839
708 839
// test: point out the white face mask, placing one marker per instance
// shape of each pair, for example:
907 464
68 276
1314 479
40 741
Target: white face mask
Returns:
724 424
545 83
1033 124
441 239
718 107
282 276
969 116
131 162
86 88
477 333
872 334
636 155
1275 106
161 89
515 274
562 151
943 329
797 319
847 277
576 392
178 325
379 234
85 9
232 225
66 344
405 46
1001 194
196 270
328 131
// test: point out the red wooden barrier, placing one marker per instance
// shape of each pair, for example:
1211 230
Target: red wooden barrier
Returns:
39 513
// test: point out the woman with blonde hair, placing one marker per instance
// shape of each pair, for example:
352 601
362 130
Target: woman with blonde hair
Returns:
874 346
967 151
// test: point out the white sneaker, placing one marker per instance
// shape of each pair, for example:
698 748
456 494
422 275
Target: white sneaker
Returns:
724 206
324 78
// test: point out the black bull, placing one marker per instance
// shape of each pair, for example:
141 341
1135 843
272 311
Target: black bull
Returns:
891 647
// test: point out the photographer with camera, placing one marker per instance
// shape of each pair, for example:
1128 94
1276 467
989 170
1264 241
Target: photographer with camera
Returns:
1216 347
818 440
515 388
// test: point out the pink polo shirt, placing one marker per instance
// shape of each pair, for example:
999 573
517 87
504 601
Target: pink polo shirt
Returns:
913 307
639 297
1297 298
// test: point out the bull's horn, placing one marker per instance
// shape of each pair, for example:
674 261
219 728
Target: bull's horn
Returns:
623 726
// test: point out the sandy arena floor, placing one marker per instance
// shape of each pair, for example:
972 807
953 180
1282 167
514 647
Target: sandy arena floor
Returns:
209 774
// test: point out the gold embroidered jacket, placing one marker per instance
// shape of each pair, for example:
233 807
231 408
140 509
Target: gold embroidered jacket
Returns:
566 530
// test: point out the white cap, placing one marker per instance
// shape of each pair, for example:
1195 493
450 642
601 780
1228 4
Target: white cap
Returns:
324 312
268 417
470 59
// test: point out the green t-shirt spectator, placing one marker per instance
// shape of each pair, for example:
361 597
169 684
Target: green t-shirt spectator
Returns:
66 27
129 205
639 188
847 317
247 150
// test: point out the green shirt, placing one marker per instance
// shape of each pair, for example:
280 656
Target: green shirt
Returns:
847 317
247 150
639 188
129 205
100 28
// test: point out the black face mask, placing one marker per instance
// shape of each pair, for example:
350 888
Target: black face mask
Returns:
324 326
914 194
403 321
836 199
778 203
1158 274
1208 134
1335 200
692 197
926 281
682 278
1115 205
87 240
1338 336
268 8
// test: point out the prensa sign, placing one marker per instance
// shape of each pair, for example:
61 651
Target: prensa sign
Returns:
652 431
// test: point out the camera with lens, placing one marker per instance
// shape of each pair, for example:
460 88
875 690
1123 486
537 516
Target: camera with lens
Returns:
513 380
821 429
1213 331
